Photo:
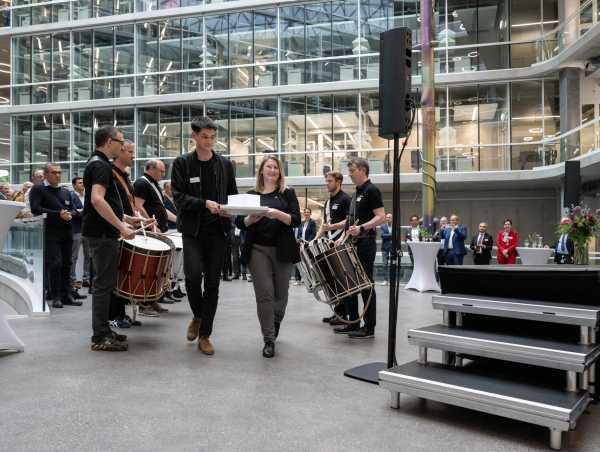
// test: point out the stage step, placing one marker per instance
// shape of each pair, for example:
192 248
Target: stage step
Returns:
508 347
545 311
494 392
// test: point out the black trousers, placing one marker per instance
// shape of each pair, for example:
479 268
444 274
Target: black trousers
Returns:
117 308
366 249
227 265
105 262
202 264
57 256
238 267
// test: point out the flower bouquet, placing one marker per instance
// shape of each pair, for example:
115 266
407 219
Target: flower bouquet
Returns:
584 225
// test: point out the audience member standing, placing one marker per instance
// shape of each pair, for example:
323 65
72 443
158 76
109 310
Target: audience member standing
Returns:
77 203
438 237
307 231
454 241
507 242
55 201
564 248
482 245
170 204
238 268
386 246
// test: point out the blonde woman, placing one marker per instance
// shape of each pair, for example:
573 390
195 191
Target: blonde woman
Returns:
270 249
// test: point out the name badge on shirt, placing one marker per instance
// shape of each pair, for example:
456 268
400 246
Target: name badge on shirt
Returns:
194 180
359 199
334 207
67 202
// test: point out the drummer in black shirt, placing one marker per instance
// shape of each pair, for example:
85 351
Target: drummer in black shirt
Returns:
366 213
201 180
336 211
149 195
102 226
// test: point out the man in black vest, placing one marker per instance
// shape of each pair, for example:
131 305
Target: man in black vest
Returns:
201 180
366 213
481 245
55 201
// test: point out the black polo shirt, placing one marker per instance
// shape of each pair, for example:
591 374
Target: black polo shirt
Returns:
98 171
338 207
368 198
49 200
149 190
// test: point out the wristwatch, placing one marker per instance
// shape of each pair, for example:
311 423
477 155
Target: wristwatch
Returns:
361 229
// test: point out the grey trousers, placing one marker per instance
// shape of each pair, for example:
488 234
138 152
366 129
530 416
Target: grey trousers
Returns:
78 241
271 280
105 259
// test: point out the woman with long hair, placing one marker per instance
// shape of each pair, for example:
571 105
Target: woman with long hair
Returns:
507 242
270 249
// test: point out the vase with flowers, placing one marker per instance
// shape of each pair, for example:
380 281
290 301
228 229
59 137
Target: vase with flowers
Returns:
584 225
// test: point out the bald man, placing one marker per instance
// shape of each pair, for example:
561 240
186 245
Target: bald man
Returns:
481 245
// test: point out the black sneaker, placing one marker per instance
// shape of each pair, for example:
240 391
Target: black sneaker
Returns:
362 333
133 322
336 322
68 301
109 344
57 303
346 329
328 319
118 337
177 293
269 349
76 295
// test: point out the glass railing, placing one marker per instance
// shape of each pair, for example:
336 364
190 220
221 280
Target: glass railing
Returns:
23 256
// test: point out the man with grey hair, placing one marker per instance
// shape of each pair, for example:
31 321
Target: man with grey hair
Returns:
149 195
55 201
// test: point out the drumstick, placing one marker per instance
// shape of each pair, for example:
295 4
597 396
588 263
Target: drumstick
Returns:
143 228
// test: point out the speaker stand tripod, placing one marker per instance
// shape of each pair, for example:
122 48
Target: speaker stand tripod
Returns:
370 372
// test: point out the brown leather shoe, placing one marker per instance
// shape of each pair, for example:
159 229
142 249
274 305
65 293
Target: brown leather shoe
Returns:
193 329
205 346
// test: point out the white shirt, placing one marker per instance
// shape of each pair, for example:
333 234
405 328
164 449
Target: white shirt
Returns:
450 244
480 239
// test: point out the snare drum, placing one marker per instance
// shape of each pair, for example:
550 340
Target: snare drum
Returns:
177 266
340 272
144 267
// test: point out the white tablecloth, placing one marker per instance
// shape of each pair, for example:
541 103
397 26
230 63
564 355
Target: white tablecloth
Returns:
534 256
423 275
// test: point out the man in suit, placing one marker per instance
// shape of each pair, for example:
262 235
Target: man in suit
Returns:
482 244
306 231
438 237
454 241
564 248
386 246
414 234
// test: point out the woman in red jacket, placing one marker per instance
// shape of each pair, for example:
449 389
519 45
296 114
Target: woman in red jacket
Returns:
507 242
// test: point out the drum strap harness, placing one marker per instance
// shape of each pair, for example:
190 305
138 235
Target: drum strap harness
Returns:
156 190
125 187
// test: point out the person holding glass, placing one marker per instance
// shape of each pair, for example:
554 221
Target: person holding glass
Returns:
270 248
507 242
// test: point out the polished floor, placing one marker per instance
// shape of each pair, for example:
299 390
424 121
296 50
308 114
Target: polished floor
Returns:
163 395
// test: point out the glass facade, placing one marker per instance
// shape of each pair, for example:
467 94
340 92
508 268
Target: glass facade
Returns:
288 45
485 127
479 128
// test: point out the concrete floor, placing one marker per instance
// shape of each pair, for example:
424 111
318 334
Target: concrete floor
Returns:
164 395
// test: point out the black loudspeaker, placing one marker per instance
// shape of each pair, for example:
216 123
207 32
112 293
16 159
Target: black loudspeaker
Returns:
572 183
395 60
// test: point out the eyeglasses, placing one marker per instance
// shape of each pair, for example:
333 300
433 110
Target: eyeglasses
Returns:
118 141
55 172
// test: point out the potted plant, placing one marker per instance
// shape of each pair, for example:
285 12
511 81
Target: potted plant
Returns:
584 225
